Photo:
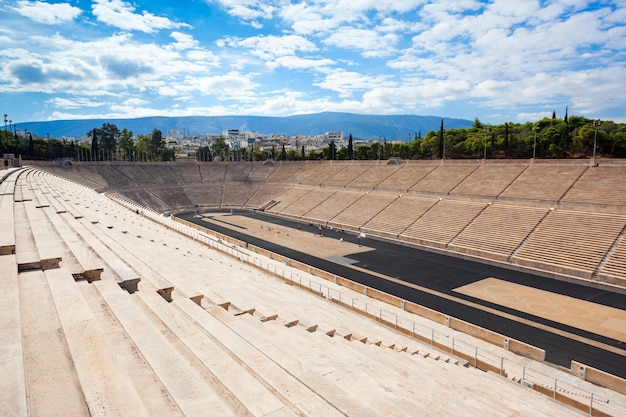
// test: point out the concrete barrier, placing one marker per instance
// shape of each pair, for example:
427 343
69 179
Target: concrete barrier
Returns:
524 349
598 377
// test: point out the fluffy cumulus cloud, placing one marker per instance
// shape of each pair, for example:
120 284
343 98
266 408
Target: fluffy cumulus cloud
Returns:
47 13
122 15
367 41
509 60
75 103
270 47
252 12
348 83
285 51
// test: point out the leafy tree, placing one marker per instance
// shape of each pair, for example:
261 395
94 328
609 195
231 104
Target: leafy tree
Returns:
363 152
385 148
167 154
376 150
293 155
342 153
314 155
108 139
126 144
143 147
157 143
220 148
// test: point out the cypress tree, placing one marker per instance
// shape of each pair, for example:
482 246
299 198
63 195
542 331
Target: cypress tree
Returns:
506 140
331 150
31 145
442 147
565 133
94 146
350 147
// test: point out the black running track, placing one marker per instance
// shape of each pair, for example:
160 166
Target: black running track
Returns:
444 273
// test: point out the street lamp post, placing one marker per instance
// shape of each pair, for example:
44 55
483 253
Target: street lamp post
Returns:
5 130
596 123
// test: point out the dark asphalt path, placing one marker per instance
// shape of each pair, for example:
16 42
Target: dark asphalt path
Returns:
444 273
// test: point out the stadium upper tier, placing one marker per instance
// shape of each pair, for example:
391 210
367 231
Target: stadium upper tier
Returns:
565 218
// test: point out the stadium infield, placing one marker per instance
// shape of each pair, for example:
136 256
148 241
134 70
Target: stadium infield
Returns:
434 280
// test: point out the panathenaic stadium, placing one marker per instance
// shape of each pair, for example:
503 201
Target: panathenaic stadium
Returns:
326 288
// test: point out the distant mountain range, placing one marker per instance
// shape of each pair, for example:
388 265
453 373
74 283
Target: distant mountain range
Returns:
361 126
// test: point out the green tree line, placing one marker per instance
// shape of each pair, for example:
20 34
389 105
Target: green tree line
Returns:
107 143
548 138
569 137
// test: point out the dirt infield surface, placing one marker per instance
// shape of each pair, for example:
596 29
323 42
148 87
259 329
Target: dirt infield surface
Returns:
595 318
316 244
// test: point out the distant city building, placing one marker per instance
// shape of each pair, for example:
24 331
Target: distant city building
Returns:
335 136
174 134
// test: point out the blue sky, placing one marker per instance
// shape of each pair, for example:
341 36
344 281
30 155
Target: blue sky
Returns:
499 60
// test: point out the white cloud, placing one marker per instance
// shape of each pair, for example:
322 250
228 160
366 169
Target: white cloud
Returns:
270 47
369 42
278 51
417 95
74 103
183 41
326 15
135 102
112 66
294 62
47 13
231 86
249 11
347 83
121 14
